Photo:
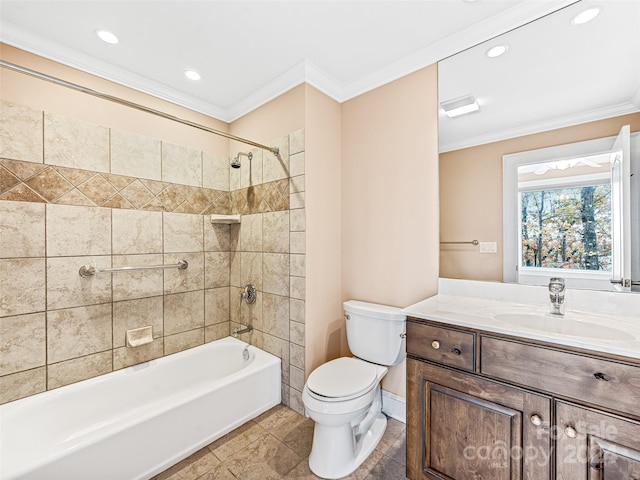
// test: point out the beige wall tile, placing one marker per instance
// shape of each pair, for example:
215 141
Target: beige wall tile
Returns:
217 238
280 348
234 304
297 164
183 311
23 384
215 171
78 369
132 314
77 332
191 278
295 401
75 231
125 357
296 378
251 233
298 242
22 286
136 231
235 277
217 266
183 232
275 232
275 168
297 287
22 227
20 133
252 314
296 308
251 269
275 315
22 343
181 165
216 332
275 273
183 341
137 284
135 155
298 221
296 200
297 265
74 143
296 184
216 305
296 357
66 288
296 141
296 333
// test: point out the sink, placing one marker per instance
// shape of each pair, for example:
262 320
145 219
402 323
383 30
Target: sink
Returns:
563 326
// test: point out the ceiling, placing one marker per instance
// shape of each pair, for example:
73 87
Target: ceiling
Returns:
554 74
249 52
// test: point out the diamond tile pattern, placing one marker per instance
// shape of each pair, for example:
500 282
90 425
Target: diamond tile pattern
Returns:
29 182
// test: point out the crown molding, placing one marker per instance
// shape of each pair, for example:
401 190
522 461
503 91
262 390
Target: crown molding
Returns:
15 37
539 127
518 15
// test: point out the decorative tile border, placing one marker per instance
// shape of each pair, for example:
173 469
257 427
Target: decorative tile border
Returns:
37 182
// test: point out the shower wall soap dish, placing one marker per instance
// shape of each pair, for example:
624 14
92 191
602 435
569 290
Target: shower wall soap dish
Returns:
225 218
139 336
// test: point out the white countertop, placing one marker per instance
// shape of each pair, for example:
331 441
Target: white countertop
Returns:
521 311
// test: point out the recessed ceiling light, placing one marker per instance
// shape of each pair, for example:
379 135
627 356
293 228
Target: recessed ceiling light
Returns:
192 75
496 51
460 106
586 15
106 36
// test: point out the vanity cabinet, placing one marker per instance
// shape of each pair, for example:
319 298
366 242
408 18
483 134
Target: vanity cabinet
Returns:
488 406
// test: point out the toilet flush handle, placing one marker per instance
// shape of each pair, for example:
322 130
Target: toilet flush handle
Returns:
403 335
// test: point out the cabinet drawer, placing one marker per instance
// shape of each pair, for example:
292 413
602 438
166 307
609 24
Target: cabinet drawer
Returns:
442 345
593 380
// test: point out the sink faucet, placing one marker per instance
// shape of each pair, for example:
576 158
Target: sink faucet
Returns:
556 294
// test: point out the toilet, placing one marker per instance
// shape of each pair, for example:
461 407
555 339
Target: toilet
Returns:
343 397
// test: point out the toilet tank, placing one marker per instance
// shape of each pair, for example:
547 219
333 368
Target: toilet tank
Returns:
376 333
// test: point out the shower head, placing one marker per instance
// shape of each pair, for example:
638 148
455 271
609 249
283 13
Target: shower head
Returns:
235 163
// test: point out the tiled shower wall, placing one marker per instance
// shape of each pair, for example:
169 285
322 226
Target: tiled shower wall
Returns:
72 193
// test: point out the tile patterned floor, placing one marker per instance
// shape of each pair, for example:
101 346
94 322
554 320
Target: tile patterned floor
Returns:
276 446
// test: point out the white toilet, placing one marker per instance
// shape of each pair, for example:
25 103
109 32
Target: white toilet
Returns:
344 397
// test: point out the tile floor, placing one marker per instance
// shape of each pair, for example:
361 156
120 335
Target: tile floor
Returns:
276 446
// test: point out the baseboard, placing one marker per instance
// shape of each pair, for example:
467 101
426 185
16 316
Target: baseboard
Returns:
394 406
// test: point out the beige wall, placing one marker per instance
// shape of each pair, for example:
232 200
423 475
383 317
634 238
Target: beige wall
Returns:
390 196
471 194
325 323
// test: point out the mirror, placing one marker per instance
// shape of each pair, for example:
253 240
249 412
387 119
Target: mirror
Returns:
558 82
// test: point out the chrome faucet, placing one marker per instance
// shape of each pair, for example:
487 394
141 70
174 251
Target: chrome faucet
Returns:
556 294
236 331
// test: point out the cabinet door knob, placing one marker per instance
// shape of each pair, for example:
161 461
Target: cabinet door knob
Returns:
435 344
456 351
601 376
536 420
570 432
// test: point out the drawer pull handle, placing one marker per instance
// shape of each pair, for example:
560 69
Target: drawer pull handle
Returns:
456 351
596 466
570 432
536 420
601 376
435 344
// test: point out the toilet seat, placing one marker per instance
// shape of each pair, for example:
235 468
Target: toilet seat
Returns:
342 379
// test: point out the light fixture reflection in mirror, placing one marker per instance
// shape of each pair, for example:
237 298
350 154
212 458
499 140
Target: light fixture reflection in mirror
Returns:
559 83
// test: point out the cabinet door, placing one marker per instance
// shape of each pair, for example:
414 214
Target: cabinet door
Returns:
592 445
463 427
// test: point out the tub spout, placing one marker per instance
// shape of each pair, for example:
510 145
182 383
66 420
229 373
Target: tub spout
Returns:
248 329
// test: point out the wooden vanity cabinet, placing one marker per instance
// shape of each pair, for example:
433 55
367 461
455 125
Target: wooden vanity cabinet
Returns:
473 397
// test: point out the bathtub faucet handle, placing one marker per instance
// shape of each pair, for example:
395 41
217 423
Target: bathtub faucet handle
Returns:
249 294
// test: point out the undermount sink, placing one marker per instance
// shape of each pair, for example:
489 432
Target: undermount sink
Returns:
563 326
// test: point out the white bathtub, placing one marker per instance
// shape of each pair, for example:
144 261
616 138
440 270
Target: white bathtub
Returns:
136 422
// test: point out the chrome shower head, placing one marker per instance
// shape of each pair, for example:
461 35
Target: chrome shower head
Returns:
235 163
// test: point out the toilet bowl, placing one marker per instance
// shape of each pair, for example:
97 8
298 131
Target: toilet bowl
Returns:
344 397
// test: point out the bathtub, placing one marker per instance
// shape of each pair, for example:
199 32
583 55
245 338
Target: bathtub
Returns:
136 422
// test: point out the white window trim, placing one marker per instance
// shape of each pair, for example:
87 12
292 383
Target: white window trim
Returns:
511 215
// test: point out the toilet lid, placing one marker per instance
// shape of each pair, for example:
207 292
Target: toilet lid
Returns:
342 377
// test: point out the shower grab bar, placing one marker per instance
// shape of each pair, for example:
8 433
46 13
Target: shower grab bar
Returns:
126 103
472 242
90 270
